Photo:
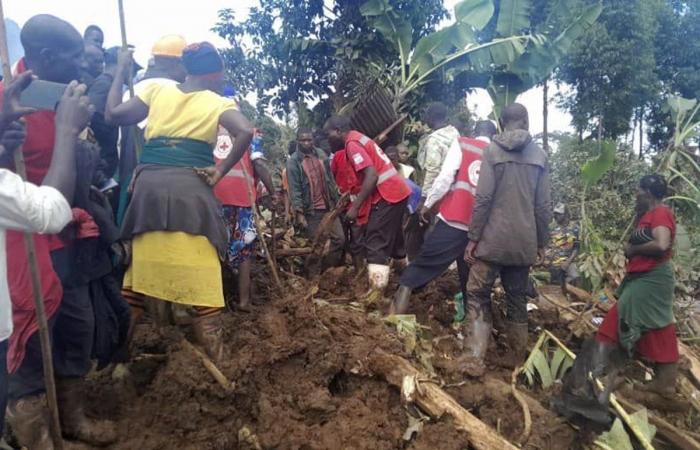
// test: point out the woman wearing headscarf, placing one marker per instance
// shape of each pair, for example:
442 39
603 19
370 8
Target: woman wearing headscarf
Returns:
173 219
641 324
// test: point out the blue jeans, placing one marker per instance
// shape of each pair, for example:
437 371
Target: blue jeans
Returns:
3 384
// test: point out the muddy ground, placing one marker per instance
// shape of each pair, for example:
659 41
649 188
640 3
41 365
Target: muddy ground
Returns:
300 383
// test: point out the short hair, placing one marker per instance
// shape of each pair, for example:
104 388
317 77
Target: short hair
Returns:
655 184
392 150
93 28
47 31
341 123
513 113
485 128
436 111
304 130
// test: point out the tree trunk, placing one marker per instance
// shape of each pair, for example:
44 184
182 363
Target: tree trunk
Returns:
641 132
545 115
436 402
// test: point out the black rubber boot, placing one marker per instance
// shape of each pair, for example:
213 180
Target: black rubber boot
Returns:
402 299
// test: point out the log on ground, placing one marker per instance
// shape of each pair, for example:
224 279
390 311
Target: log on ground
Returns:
436 402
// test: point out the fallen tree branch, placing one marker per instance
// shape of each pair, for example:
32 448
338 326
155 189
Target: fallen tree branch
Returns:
210 366
527 418
289 252
436 402
694 363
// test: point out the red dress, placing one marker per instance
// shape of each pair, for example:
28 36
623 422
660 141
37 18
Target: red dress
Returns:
659 345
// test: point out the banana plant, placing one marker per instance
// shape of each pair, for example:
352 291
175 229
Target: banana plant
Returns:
545 51
454 44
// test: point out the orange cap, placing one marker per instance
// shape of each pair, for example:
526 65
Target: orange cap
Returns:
169 45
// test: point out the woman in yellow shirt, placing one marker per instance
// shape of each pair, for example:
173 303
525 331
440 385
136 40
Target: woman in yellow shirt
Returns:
173 220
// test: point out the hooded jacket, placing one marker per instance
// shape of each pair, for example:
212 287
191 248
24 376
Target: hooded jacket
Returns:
512 211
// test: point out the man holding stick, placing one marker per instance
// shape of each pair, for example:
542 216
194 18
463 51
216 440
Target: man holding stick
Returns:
53 52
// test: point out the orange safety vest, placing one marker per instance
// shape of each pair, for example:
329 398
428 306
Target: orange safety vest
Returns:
232 189
458 204
391 185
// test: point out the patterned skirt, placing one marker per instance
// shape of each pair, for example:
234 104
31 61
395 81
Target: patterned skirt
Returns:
242 235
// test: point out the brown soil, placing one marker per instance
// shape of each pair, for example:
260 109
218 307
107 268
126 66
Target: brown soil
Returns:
300 381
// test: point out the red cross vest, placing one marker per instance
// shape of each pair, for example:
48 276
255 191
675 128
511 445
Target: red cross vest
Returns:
347 182
458 204
391 186
232 190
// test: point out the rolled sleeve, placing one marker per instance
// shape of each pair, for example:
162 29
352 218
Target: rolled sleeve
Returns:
27 207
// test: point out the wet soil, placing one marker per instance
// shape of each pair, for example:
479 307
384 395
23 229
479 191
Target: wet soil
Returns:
297 362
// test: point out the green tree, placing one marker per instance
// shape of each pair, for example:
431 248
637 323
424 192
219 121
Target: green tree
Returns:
292 53
613 71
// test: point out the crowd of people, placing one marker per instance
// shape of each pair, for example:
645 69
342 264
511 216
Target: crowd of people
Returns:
145 198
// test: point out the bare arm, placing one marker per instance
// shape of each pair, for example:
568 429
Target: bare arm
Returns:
657 247
116 112
263 172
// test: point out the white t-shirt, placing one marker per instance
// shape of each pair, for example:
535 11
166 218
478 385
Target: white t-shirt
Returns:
25 207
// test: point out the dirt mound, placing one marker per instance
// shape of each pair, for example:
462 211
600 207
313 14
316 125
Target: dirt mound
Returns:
298 364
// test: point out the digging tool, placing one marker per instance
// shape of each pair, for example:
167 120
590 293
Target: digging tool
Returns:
44 336
313 261
270 261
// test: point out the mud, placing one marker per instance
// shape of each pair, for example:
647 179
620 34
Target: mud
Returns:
300 382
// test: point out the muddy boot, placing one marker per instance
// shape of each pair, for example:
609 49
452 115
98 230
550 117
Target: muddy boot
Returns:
479 324
29 419
402 298
358 261
580 394
517 342
378 277
74 424
664 382
208 333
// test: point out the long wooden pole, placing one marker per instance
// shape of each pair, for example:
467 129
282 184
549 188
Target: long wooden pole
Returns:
44 335
125 44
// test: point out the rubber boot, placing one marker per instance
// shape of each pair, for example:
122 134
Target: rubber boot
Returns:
209 333
75 425
402 299
664 382
479 324
358 261
29 419
378 275
517 342
580 394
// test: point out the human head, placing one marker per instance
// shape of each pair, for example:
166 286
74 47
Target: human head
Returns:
435 115
305 139
484 128
392 152
93 60
337 129
561 214
515 117
53 48
652 189
404 153
167 58
93 35
204 64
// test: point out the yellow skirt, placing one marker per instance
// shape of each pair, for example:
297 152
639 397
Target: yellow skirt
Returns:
177 267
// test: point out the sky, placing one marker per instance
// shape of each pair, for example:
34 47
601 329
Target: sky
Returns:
147 20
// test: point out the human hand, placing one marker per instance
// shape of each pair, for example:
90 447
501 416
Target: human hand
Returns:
470 252
540 256
210 175
11 140
352 213
425 216
74 110
125 59
301 220
12 110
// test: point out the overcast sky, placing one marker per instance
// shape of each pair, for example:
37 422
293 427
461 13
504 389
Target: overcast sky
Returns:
147 20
